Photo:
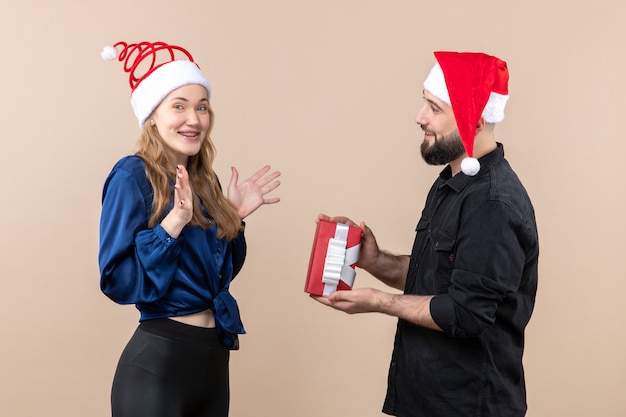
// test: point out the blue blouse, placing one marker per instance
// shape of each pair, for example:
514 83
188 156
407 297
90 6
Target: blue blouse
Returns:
161 275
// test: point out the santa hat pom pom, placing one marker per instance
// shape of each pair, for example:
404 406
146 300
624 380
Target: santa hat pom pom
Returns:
470 166
108 53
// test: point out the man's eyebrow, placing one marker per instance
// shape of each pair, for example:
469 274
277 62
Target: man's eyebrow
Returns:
432 103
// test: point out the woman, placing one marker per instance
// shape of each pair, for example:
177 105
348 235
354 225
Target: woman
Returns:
171 242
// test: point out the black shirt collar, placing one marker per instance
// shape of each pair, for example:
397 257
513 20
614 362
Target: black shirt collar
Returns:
460 180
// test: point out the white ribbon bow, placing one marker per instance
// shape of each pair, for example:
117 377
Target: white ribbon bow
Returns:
338 260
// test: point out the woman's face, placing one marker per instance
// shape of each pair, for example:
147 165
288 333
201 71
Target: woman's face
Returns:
182 119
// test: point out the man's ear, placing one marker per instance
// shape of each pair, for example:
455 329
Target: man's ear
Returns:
480 125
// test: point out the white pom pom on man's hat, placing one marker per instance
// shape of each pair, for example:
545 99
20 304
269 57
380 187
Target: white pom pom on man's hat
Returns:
470 166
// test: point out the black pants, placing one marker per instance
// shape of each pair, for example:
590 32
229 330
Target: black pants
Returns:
171 369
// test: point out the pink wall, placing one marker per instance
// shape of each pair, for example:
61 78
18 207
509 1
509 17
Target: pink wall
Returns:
326 92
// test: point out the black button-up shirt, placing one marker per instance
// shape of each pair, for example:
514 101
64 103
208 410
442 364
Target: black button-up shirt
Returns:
476 250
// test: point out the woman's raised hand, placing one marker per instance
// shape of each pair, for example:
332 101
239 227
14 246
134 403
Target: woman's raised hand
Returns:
250 194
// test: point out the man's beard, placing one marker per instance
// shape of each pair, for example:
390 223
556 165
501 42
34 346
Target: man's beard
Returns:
443 150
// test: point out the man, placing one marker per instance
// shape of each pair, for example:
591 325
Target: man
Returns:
470 282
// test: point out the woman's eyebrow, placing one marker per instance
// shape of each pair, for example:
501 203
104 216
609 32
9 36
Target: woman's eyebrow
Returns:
185 99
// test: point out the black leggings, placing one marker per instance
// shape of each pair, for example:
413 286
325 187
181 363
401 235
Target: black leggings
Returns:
171 369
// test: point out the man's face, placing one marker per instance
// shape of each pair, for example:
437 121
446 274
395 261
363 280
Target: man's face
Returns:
442 142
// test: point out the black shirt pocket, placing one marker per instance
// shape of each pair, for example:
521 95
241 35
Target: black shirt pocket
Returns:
442 246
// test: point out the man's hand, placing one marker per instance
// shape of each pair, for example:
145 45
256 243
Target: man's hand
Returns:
412 308
361 300
369 252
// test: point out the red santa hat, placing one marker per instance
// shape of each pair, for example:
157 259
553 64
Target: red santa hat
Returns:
475 85
154 72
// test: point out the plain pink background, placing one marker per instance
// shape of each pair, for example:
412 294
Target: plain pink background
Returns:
326 92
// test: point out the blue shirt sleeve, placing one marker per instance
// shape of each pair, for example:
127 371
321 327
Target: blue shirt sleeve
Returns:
239 251
137 263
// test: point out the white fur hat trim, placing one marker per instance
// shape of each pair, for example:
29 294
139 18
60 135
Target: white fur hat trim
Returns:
153 89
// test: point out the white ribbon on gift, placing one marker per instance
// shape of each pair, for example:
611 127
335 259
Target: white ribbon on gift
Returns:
338 260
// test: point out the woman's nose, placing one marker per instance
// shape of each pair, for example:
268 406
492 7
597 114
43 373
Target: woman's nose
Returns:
192 118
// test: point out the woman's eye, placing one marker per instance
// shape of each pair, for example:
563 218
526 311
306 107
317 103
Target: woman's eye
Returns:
178 106
202 108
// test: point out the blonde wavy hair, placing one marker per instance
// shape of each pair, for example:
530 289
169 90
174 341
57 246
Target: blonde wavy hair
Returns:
160 170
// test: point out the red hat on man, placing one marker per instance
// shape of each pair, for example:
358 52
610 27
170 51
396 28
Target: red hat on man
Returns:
475 85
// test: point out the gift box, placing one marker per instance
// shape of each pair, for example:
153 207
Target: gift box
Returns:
335 251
